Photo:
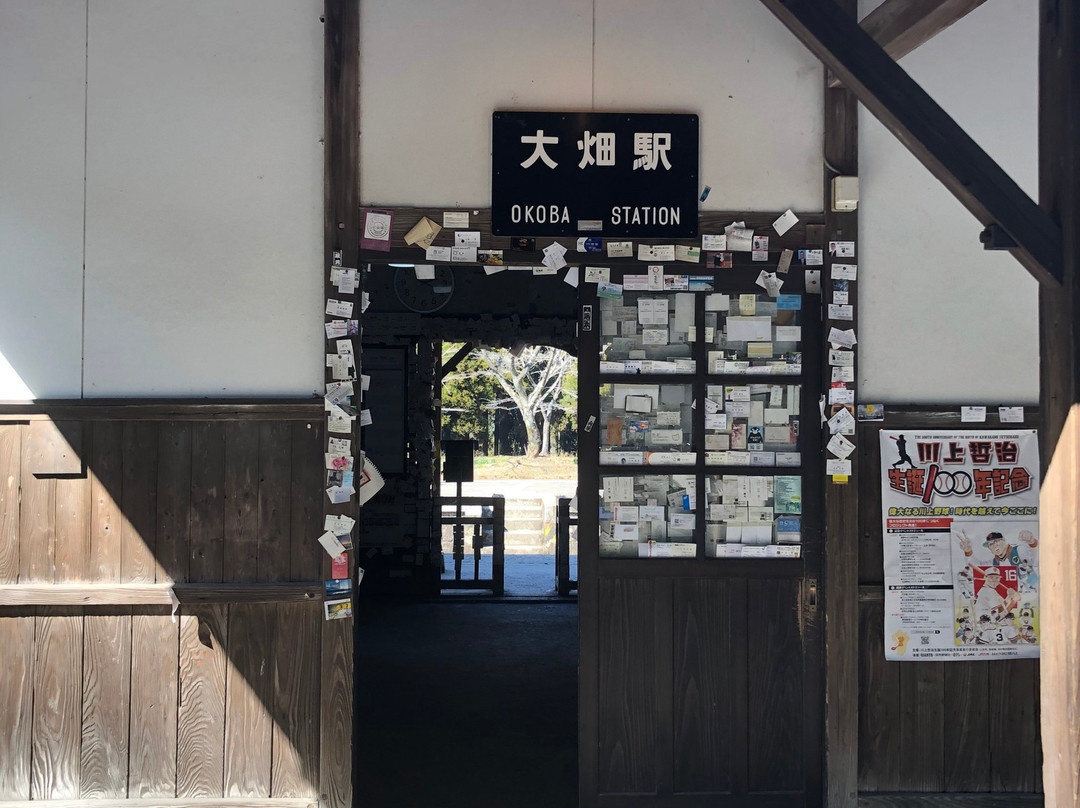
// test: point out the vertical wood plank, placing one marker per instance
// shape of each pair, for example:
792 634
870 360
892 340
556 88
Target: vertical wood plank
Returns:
967 729
37 512
922 726
841 658
57 723
295 771
241 500
207 502
1012 720
275 467
248 696
336 714
774 694
1059 343
704 694
154 655
307 501
10 463
200 742
16 704
173 501
106 702
139 502
879 705
106 519
73 529
628 702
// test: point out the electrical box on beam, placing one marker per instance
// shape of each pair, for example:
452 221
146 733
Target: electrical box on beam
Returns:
845 194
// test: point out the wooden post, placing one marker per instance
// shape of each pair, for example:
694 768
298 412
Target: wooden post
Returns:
341 232
841 501
1059 194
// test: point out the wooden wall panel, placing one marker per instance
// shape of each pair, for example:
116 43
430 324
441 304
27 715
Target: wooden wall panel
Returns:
336 715
709 666
200 745
922 725
154 654
57 718
307 496
207 523
967 732
10 475
241 501
248 696
106 519
139 502
879 706
295 770
1013 724
37 512
275 468
628 699
173 501
105 708
775 688
16 704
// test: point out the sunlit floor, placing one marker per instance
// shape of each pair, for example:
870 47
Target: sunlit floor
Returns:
467 704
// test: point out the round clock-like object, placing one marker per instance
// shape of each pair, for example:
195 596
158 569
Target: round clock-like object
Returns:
424 296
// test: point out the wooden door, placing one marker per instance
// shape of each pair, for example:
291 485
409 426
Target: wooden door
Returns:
700 678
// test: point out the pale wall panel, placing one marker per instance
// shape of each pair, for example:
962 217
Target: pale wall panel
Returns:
204 198
756 88
432 73
942 320
42 91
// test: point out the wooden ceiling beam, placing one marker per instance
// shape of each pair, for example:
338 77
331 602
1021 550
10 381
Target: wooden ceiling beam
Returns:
928 132
900 26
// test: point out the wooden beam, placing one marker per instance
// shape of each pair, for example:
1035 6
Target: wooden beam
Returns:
155 594
341 232
129 410
926 130
164 802
1059 331
450 365
841 579
709 221
951 800
900 26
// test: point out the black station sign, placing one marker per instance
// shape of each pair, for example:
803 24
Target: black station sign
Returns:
610 174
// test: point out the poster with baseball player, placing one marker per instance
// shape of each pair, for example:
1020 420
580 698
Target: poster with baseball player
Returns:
960 524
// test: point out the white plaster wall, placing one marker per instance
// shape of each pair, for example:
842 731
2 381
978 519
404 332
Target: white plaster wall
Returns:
432 73
204 198
428 90
42 84
756 88
941 319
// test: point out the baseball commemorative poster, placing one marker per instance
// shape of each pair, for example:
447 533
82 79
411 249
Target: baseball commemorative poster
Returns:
960 523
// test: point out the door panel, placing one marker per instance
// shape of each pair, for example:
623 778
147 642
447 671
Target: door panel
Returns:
628 697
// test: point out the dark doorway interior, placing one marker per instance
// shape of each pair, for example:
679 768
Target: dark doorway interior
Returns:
467 705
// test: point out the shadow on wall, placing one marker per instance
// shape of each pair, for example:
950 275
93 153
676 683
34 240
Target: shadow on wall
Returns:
115 701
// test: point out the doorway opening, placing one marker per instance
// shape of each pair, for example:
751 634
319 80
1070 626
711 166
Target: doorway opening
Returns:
518 407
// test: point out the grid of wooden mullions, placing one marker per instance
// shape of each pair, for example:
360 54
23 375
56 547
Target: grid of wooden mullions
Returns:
734 282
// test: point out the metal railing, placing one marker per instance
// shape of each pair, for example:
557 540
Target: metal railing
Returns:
564 585
493 516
